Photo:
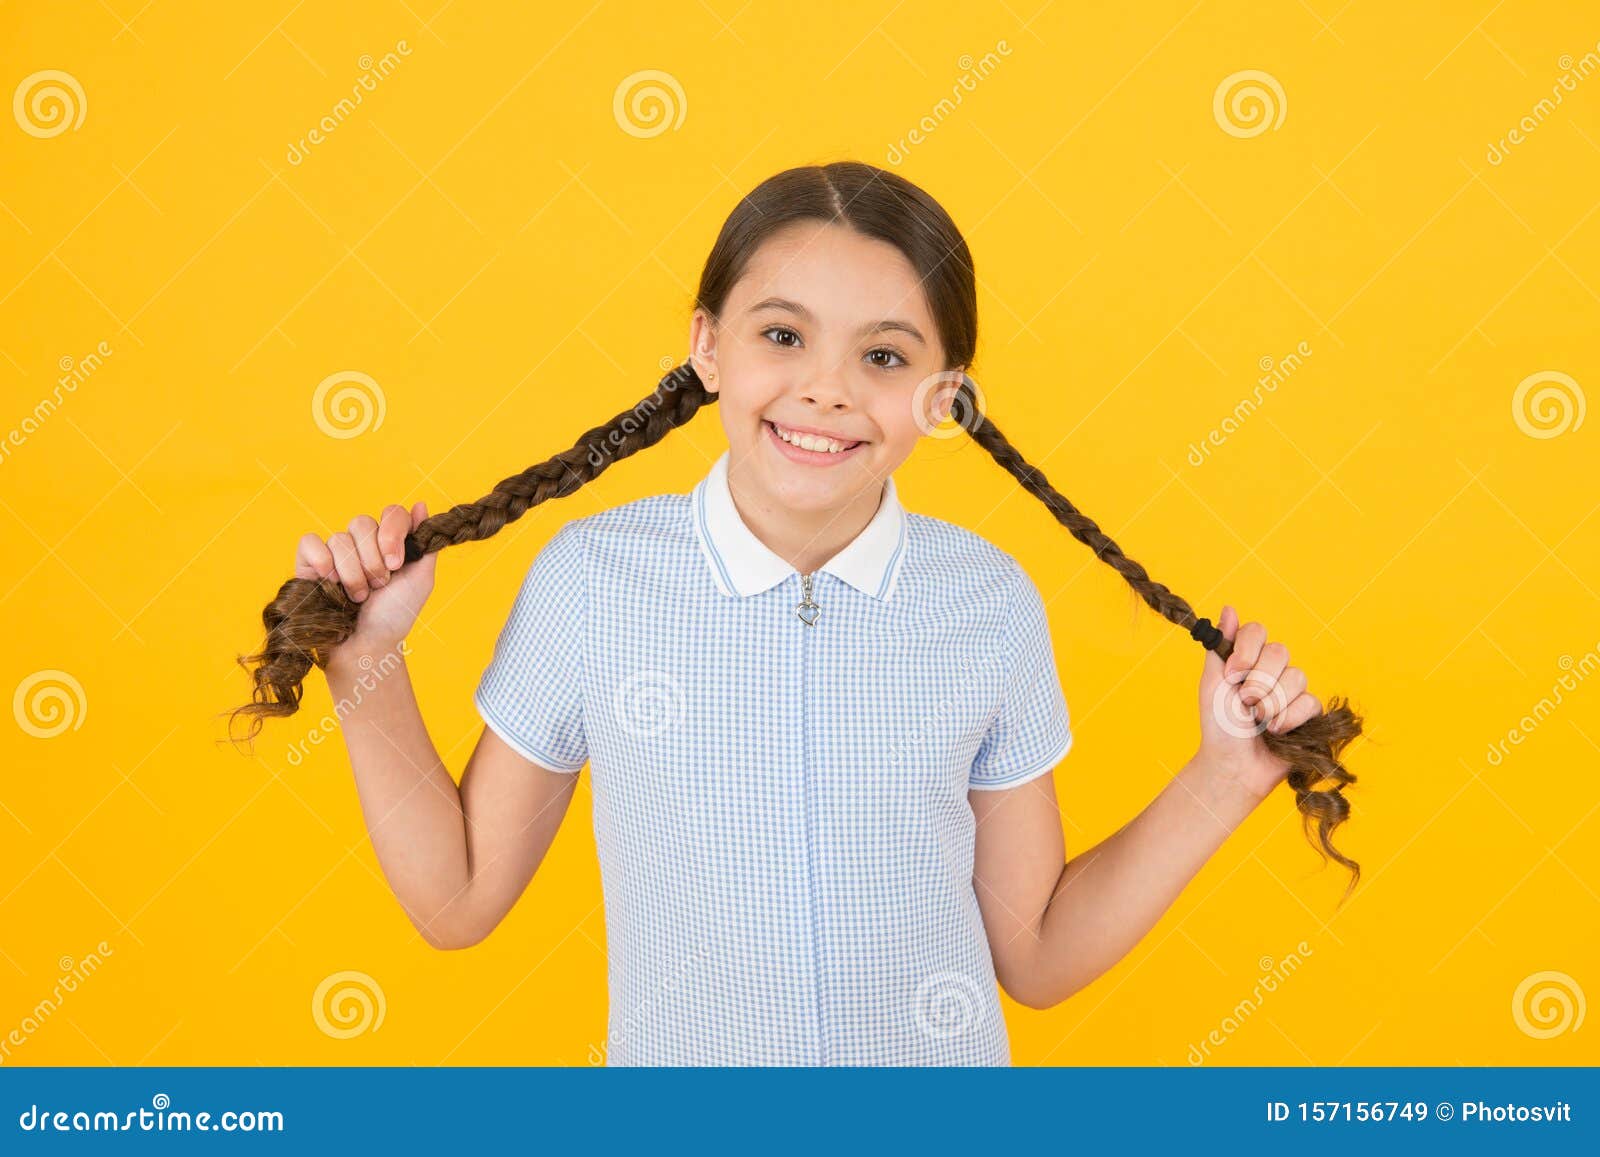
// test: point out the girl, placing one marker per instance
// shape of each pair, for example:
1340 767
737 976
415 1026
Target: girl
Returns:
822 729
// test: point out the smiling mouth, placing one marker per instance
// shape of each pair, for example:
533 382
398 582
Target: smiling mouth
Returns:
844 446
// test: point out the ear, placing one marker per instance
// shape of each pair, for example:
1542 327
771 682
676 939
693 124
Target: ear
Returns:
703 349
946 397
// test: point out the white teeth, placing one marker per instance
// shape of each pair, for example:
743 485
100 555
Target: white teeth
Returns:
812 441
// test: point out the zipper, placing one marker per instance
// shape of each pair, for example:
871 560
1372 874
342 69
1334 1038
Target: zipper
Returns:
809 789
808 610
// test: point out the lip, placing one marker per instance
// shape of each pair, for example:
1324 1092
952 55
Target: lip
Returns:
807 457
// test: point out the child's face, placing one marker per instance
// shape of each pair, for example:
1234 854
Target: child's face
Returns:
802 343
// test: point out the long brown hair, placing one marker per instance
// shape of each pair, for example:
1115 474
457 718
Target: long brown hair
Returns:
308 618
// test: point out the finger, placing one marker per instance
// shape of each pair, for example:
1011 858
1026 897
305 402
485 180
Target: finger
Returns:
1283 693
1272 662
1246 650
364 529
1306 706
313 559
348 565
419 513
392 528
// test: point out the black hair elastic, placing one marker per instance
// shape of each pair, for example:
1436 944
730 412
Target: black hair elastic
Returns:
1205 634
414 549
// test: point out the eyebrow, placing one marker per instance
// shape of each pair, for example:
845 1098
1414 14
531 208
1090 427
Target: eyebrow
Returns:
794 307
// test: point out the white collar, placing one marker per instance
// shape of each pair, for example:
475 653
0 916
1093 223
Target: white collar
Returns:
742 564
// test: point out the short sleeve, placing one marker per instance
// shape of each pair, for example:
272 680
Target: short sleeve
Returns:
531 694
1030 732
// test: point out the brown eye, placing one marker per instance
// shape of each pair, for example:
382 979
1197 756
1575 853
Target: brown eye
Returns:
892 353
780 329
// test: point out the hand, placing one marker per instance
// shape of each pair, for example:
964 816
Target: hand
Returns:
368 560
1254 691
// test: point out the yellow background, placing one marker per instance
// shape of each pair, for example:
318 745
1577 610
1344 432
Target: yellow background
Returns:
483 238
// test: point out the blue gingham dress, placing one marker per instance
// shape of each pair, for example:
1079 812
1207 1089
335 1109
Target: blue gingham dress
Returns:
780 810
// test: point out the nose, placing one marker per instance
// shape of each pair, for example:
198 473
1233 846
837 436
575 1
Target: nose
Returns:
827 390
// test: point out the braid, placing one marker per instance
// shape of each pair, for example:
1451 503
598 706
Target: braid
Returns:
310 617
1311 750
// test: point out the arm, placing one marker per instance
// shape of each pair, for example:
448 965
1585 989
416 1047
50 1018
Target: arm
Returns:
1054 927
457 859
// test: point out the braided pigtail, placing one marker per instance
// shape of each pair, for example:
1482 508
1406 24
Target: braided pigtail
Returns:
1312 750
310 617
